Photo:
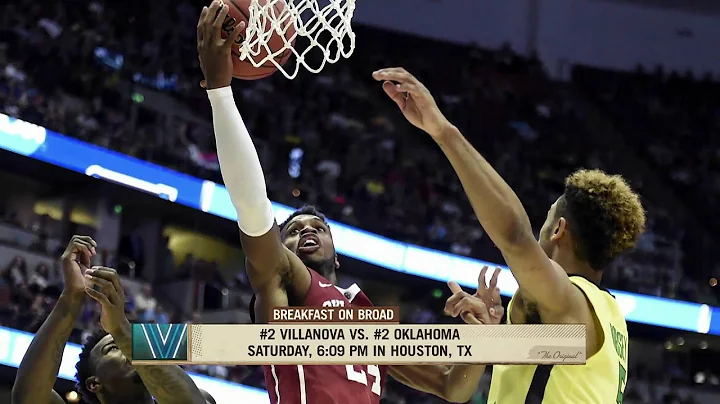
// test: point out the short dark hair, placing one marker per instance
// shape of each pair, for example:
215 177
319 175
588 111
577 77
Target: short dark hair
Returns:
604 213
85 368
305 210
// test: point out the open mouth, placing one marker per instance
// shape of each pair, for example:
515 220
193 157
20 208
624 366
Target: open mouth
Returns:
308 244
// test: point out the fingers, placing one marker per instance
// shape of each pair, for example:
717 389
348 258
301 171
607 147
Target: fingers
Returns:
452 301
110 282
410 88
98 297
200 27
454 287
392 91
235 34
111 275
219 20
81 249
102 287
470 305
210 25
494 279
396 74
208 22
482 287
482 291
454 304
493 285
406 82
497 313
468 318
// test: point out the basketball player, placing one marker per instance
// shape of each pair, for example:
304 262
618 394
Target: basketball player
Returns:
294 264
597 218
104 373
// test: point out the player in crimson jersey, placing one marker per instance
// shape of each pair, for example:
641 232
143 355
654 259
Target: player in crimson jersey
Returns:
294 264
306 235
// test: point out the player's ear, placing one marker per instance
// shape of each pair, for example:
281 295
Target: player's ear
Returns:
92 384
337 263
560 229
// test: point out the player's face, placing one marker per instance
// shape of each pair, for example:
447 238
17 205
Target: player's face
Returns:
113 371
310 239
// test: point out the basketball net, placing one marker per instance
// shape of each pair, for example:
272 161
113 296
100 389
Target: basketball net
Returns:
331 21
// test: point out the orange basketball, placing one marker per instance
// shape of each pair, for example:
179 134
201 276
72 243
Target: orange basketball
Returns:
239 10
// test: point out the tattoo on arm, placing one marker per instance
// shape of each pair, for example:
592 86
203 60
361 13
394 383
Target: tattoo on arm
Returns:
170 385
167 384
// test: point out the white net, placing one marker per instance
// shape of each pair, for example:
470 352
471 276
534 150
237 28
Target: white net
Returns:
315 34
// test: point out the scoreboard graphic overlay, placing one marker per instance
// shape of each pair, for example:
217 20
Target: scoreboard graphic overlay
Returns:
338 336
160 342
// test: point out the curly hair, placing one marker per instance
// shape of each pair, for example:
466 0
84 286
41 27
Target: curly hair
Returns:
305 210
604 213
85 368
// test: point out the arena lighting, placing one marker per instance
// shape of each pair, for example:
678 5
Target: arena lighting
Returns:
72 397
41 144
14 343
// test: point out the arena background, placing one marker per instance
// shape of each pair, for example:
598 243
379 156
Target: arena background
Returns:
541 87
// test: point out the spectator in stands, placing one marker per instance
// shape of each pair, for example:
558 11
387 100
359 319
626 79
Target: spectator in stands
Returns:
8 308
39 280
145 304
17 272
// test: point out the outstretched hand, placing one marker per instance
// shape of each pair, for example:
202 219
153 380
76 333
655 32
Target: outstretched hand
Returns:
214 51
413 99
484 307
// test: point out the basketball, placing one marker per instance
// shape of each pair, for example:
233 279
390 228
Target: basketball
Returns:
239 10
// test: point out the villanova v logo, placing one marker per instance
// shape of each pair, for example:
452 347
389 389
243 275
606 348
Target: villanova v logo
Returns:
160 342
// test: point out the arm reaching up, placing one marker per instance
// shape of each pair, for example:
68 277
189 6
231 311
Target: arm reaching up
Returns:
268 260
39 367
457 383
495 204
239 162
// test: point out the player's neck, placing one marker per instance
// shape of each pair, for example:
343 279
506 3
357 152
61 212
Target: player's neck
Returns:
331 277
326 268
573 266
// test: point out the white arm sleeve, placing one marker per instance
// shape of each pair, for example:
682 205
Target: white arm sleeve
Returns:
240 165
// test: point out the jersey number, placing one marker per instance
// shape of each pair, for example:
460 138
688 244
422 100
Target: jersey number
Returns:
361 376
621 384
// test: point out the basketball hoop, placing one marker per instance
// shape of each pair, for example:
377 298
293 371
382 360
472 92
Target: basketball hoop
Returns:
323 27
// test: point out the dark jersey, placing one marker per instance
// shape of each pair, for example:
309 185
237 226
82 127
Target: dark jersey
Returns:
326 384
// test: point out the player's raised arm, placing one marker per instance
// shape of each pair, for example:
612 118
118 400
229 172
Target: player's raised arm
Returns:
495 204
39 367
239 162
457 383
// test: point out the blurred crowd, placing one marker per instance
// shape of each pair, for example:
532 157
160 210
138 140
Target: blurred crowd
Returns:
328 139
33 279
674 120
